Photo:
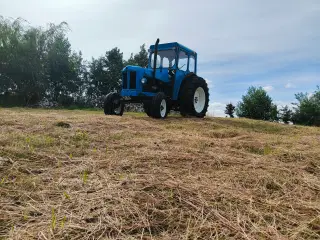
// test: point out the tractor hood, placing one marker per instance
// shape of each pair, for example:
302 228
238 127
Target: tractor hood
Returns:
161 74
140 71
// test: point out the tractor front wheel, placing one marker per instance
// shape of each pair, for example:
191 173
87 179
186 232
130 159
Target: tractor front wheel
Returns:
159 106
113 105
147 107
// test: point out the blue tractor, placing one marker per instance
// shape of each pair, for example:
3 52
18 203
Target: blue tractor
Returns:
169 82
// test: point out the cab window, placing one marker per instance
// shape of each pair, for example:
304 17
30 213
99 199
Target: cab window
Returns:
183 61
165 59
191 64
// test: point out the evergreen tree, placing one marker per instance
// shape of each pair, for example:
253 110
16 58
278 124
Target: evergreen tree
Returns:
230 110
286 114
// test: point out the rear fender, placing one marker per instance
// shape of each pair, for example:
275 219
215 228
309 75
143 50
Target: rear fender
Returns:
179 85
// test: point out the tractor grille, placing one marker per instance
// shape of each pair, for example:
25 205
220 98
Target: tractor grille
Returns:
133 79
124 80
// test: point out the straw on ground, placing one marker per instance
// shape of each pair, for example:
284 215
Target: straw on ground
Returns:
79 174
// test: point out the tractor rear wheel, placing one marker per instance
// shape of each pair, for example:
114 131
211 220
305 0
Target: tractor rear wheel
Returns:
159 107
194 97
113 104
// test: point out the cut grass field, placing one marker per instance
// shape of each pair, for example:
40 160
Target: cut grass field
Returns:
83 175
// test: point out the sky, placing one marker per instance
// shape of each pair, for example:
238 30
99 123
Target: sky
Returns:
274 44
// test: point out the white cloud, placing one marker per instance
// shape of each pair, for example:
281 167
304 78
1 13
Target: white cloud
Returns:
210 83
268 88
216 109
235 28
295 78
282 104
289 85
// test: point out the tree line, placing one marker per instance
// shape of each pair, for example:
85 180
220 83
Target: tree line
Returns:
257 104
39 68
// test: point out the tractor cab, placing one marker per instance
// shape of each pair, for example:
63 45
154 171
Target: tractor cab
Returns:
172 57
171 70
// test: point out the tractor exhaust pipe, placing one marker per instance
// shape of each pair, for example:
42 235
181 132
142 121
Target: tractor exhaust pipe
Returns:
155 60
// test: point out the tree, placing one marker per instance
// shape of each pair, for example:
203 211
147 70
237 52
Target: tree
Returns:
79 77
307 110
39 67
130 61
257 104
114 66
21 66
105 75
286 114
10 37
274 113
230 110
97 76
140 59
60 83
35 63
32 85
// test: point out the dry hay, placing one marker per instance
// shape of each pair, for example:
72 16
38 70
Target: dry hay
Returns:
83 175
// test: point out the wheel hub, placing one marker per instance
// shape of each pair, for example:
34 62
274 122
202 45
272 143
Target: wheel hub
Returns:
117 106
199 100
163 108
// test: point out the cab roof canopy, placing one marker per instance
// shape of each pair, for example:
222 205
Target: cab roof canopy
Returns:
167 46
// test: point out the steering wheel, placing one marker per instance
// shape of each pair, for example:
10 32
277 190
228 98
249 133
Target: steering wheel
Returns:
179 68
171 70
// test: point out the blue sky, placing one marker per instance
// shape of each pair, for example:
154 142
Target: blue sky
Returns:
274 44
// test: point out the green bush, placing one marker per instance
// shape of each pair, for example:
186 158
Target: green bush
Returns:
257 104
307 110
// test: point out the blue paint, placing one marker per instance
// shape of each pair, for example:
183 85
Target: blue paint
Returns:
167 61
135 93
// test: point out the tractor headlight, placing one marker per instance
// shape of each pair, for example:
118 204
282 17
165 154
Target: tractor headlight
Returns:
144 80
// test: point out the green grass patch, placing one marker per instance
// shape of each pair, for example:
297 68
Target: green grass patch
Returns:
255 125
39 141
80 136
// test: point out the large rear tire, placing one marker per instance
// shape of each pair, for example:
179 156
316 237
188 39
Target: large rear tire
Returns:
159 107
113 105
194 97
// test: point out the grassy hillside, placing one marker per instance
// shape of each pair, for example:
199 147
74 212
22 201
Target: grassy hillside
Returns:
80 174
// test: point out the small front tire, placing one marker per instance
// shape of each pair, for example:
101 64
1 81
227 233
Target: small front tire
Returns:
159 106
147 107
113 105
